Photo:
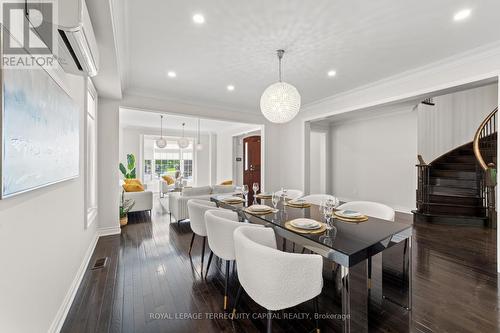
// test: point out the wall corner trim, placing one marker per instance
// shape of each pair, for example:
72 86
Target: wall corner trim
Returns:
60 317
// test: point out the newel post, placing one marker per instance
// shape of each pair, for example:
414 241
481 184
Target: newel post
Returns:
491 183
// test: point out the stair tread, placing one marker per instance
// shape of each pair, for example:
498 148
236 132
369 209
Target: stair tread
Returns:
453 205
465 217
455 195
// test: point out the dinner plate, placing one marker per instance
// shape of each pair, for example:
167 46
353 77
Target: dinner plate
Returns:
298 202
233 199
303 223
348 213
260 208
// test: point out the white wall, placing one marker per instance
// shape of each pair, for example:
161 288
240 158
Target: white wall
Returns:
109 188
374 159
43 243
318 159
454 119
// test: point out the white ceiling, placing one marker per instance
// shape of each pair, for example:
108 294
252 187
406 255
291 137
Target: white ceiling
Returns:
144 119
362 40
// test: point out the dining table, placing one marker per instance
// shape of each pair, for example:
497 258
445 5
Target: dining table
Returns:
351 247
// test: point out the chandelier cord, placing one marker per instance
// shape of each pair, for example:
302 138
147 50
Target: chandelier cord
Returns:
161 126
280 69
280 55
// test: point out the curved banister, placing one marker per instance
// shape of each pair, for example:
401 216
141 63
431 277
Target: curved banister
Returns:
484 128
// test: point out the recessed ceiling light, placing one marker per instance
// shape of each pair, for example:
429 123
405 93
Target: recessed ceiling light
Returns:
198 18
171 74
230 87
332 73
462 15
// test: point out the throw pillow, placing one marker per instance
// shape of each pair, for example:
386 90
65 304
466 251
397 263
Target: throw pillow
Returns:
133 187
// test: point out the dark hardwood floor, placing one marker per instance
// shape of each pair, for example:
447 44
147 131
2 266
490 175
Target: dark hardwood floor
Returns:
150 281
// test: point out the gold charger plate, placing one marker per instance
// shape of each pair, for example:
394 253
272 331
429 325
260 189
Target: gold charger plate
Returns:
263 196
259 213
307 205
320 230
362 218
233 201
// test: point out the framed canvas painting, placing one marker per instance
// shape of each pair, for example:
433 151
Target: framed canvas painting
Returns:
39 132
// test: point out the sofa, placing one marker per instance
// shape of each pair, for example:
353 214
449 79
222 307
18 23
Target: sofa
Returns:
143 200
177 201
135 190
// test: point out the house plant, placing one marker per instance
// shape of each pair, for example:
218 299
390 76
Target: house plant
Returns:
125 206
129 171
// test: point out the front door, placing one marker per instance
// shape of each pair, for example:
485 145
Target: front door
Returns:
251 163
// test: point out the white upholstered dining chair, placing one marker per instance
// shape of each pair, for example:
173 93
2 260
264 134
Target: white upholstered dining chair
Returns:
373 209
196 212
220 229
274 279
377 210
291 194
317 199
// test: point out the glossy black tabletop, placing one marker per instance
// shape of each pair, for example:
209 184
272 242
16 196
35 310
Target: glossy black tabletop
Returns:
347 243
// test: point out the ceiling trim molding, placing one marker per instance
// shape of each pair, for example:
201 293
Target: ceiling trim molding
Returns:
151 103
462 66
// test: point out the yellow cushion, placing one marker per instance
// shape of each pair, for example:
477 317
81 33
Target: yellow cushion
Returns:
133 181
168 179
133 187
227 182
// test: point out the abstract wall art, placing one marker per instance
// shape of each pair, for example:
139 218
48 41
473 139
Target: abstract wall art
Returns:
40 132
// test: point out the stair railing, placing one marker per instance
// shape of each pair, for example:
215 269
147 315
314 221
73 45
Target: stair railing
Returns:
485 150
423 185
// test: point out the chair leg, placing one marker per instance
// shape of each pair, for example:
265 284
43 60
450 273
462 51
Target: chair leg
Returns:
191 245
203 253
237 300
316 313
209 262
226 284
303 250
293 247
269 321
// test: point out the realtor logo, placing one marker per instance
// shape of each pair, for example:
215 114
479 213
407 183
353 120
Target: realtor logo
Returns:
28 34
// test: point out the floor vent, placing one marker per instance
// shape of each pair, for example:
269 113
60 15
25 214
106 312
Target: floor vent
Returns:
100 263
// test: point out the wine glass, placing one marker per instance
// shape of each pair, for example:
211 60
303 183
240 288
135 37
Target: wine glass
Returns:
255 188
245 191
275 199
326 209
284 195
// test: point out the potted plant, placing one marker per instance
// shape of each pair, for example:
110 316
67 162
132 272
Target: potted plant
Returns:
125 206
129 171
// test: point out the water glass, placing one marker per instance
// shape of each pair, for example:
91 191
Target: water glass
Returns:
245 191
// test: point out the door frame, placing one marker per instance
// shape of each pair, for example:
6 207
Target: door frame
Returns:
237 139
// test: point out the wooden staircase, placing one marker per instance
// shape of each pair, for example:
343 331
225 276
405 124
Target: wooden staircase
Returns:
452 189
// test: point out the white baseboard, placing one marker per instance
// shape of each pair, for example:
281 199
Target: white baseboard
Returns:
109 231
58 321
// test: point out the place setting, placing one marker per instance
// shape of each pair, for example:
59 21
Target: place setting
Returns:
350 216
297 203
232 200
256 209
306 226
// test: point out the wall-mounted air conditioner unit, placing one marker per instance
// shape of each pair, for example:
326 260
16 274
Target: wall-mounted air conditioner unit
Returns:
77 50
